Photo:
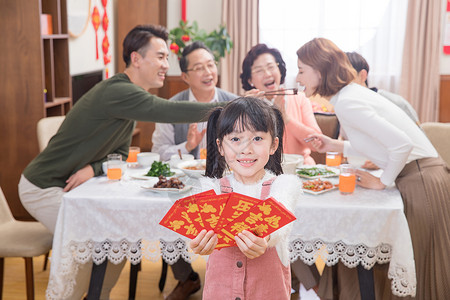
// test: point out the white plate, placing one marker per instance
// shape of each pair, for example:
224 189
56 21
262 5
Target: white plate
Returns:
142 176
167 190
320 192
335 170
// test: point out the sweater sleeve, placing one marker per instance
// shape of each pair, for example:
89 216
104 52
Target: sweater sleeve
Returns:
128 101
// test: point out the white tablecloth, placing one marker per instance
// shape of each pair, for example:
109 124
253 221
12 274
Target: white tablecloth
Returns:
119 220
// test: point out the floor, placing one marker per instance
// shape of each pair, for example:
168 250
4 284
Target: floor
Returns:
14 281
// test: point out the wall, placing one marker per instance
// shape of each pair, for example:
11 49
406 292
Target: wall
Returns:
445 59
82 56
82 49
195 10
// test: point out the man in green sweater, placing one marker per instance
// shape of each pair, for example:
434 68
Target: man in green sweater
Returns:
100 123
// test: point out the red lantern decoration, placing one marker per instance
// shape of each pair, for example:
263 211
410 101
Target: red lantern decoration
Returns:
96 23
105 42
105 45
105 22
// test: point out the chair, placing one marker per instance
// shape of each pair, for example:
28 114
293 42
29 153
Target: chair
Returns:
46 129
329 125
439 135
21 239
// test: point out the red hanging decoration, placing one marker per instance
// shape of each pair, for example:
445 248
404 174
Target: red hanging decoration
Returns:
105 45
183 10
105 22
105 42
96 23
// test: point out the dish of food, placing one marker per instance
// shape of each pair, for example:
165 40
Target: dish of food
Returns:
193 168
143 176
318 186
171 185
318 171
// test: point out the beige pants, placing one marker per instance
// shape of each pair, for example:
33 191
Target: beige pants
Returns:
43 205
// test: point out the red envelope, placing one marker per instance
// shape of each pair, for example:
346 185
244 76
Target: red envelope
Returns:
211 208
227 215
181 216
192 209
262 219
237 205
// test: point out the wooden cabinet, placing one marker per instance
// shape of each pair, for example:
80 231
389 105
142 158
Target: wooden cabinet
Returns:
57 85
30 62
144 12
444 99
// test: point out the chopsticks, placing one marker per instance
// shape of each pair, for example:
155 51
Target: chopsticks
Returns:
282 92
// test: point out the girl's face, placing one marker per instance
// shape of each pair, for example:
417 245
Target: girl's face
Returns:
266 75
308 77
246 153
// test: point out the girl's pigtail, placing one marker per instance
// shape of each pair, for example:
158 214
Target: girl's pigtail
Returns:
274 163
215 163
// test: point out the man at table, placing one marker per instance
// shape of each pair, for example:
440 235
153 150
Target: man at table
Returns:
199 71
100 123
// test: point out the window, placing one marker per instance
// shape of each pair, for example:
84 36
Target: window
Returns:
375 29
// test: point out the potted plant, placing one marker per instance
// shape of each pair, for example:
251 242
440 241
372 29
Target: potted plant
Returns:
218 41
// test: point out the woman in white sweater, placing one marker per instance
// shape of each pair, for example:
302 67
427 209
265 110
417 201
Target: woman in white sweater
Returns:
382 132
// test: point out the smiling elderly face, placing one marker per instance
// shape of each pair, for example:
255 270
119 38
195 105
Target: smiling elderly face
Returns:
265 74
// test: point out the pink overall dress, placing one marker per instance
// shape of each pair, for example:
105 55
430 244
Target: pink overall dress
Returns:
230 275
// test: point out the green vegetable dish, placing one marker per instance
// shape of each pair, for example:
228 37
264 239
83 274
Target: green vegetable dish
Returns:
159 168
315 171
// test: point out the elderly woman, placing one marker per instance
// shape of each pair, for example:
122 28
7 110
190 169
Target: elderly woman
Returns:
263 72
381 131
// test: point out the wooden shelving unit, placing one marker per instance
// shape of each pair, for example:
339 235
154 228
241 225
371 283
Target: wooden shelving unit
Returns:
57 82
31 63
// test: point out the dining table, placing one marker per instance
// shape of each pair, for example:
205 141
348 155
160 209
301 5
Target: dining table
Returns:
115 220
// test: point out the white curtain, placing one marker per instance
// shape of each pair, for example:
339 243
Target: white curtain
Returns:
375 29
241 19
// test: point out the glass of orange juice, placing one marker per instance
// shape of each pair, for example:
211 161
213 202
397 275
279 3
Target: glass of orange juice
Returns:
347 179
333 159
132 154
202 153
114 171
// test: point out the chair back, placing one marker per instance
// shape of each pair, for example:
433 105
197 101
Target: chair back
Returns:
5 211
46 129
329 125
439 135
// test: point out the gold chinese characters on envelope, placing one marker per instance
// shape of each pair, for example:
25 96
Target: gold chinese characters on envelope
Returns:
226 214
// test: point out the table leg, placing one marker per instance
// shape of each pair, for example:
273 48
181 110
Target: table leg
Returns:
366 285
134 269
97 276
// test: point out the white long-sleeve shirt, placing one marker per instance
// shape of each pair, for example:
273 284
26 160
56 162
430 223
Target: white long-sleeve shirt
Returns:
163 138
379 130
286 189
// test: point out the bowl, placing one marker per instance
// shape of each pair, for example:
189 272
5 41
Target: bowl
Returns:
192 164
175 159
146 159
291 162
105 167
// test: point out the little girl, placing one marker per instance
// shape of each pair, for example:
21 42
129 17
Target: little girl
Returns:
246 137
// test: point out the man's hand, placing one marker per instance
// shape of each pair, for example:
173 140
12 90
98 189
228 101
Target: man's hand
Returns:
79 177
194 137
251 245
